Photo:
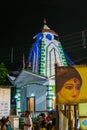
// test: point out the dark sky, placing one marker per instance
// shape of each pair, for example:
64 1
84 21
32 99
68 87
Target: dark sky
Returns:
20 21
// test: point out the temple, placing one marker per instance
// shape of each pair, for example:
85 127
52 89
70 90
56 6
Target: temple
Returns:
35 84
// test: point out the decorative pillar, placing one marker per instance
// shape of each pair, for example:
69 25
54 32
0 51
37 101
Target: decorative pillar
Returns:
49 98
18 101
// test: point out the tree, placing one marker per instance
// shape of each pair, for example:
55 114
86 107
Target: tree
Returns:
3 74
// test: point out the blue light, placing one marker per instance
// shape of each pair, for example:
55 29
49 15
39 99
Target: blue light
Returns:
48 36
39 37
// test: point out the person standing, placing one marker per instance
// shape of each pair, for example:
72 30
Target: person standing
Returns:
27 121
8 124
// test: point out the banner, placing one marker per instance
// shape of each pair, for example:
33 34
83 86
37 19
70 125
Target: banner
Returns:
71 84
5 102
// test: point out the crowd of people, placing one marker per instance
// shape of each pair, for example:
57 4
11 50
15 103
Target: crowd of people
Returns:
42 122
47 122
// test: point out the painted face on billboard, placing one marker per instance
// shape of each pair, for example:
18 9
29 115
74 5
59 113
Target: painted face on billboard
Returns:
70 90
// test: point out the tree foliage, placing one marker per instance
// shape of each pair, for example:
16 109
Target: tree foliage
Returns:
3 74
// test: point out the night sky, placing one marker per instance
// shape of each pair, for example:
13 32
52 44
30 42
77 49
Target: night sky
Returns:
19 22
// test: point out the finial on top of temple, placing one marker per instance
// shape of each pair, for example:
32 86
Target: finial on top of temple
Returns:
44 21
46 28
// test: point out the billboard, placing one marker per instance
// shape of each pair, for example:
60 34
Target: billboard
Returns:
5 98
71 84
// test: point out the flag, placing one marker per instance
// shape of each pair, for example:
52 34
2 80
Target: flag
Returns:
23 62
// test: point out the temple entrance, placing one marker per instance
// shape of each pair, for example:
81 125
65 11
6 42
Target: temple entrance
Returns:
31 104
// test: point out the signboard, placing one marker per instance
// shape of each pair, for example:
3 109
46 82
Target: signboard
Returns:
82 109
71 84
83 123
4 102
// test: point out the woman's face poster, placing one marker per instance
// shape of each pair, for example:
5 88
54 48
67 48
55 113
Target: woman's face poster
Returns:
71 84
